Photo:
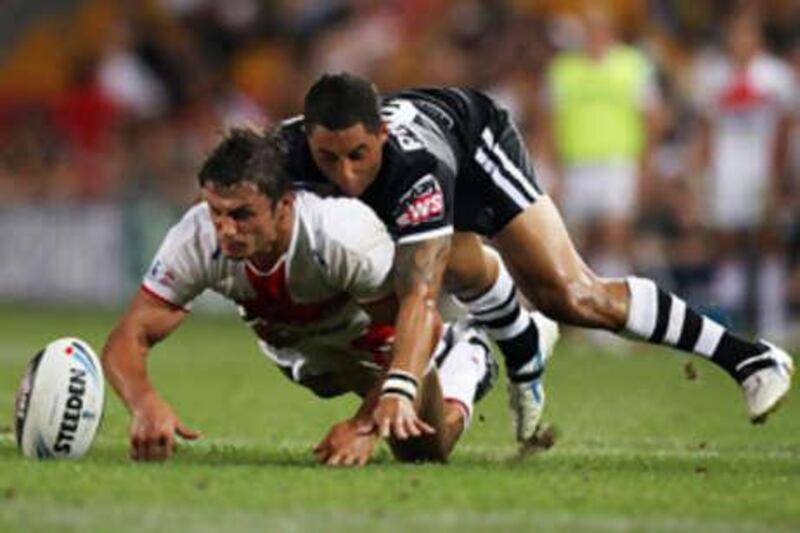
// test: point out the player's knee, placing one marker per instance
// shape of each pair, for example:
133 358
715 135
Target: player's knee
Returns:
571 302
323 386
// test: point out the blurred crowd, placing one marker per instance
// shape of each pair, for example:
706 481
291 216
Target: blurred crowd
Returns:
665 129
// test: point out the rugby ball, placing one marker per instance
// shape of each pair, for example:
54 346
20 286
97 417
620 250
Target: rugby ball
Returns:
59 402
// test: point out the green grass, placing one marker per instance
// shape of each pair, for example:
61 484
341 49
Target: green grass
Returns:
641 448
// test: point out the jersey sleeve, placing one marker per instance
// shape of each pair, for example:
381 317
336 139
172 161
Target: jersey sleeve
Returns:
358 255
176 273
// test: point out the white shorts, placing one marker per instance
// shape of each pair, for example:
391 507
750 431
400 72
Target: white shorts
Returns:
347 359
736 200
599 190
329 371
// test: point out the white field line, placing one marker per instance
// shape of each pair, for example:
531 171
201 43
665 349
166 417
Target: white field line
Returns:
151 518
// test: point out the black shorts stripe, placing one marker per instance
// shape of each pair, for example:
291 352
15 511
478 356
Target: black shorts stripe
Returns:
692 327
662 317
501 167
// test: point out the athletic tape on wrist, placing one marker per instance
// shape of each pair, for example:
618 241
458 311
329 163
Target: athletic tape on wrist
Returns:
400 383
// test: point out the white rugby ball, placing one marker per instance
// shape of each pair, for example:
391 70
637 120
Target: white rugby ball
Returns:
59 403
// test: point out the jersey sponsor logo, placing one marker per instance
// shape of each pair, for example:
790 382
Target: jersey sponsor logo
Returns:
160 274
424 202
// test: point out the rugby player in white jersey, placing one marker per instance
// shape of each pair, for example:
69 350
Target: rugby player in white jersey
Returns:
312 279
747 102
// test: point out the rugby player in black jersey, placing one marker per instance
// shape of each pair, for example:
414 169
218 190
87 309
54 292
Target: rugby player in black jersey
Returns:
443 167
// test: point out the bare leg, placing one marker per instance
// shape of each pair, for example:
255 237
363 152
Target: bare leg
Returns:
543 261
478 277
546 266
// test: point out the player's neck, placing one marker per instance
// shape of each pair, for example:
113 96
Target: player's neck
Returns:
743 59
266 260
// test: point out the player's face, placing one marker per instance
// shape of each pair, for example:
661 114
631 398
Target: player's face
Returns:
743 37
350 157
246 222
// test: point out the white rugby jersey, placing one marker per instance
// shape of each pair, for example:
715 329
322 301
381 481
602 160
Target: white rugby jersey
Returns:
743 106
304 310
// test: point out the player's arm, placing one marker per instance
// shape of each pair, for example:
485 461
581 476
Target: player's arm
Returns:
418 269
147 321
700 154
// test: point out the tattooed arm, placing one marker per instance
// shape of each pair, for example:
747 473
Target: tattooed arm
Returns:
418 268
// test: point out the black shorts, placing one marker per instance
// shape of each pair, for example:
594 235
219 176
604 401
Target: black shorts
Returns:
497 181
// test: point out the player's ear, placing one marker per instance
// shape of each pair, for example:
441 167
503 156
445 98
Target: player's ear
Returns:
383 132
284 204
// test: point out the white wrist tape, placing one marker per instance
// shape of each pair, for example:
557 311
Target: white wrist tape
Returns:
400 383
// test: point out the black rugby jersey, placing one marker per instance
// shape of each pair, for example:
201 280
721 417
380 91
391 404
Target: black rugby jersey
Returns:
431 131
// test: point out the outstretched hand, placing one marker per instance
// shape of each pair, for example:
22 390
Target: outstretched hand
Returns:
395 416
153 429
348 443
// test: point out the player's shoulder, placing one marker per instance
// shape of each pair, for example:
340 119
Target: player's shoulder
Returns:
773 68
291 129
194 230
194 220
299 162
293 134
710 66
403 161
339 221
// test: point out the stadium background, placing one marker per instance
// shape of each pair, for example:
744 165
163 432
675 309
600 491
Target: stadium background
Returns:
107 109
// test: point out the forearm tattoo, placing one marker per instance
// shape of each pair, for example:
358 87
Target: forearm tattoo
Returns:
421 263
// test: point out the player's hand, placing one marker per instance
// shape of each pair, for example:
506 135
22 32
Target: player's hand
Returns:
153 428
395 416
348 443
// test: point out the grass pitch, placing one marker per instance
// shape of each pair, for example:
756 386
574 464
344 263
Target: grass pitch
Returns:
641 447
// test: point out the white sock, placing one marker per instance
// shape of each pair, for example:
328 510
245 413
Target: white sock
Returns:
662 318
499 304
499 312
460 373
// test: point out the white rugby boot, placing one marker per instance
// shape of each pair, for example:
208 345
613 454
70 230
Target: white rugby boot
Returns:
526 398
765 389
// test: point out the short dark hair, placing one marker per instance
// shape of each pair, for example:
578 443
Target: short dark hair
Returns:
246 155
338 101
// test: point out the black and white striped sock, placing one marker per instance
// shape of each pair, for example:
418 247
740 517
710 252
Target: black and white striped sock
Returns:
659 317
510 326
